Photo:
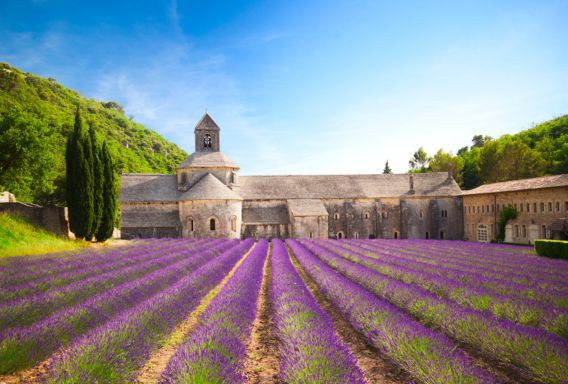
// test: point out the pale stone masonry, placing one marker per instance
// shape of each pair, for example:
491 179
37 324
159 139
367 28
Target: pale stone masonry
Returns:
208 198
541 203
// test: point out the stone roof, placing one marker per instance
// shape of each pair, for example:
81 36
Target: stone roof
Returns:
521 185
154 218
207 160
306 207
209 188
147 187
268 215
345 186
206 123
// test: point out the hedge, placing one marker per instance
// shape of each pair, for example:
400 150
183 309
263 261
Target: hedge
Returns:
552 248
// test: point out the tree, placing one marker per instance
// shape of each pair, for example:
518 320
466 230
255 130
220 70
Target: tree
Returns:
387 170
419 161
508 213
78 157
25 148
441 161
98 180
480 140
110 197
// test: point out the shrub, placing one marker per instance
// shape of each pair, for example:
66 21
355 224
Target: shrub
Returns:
552 248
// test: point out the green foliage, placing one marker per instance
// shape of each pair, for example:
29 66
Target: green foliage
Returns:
387 170
507 213
442 161
80 183
419 161
552 248
19 237
110 197
37 114
98 181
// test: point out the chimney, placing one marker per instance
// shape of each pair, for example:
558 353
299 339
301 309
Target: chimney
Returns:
450 171
411 183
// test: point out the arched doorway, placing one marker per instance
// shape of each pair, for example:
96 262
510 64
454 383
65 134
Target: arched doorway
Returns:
340 235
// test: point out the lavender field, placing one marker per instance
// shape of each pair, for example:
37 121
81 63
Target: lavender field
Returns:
300 311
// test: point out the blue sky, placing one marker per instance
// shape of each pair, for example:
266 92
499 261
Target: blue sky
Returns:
306 87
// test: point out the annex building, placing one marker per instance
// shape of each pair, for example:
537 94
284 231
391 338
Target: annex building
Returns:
208 198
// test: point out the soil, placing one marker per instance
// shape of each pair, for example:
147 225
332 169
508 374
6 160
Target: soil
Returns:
262 366
152 371
376 366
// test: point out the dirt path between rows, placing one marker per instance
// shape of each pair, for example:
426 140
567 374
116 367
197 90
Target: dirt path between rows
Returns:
377 368
152 371
262 365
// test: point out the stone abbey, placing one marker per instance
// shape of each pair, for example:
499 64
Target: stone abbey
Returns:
208 198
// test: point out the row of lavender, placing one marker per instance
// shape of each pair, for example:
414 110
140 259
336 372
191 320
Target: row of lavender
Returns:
37 324
535 354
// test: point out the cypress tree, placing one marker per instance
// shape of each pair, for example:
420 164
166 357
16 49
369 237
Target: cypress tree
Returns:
98 181
110 194
79 181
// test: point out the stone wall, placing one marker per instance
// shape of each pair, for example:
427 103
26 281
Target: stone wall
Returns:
52 219
537 209
201 212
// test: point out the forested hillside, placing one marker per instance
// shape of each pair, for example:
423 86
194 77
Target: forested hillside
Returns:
537 151
36 117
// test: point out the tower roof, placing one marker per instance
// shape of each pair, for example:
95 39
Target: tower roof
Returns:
207 123
210 188
207 160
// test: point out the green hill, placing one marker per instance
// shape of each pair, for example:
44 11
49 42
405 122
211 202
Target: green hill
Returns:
36 116
18 237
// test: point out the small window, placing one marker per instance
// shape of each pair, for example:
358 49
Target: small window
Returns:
534 208
482 209
482 233
541 207
524 231
367 215
557 206
427 235
234 223
528 208
522 207
421 214
516 230
395 235
487 209
549 206
311 235
212 224
543 231
336 216
442 235
190 225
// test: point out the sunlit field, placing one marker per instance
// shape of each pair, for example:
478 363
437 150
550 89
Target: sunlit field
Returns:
300 311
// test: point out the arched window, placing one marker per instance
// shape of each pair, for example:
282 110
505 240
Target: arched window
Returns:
442 234
311 235
395 235
336 216
427 235
356 235
190 224
367 215
421 214
340 235
207 141
234 223
212 224
385 215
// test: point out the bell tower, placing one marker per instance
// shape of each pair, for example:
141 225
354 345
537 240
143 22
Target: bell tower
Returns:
207 135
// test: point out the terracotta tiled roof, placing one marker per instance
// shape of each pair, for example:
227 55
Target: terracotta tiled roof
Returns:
306 207
521 185
209 188
208 159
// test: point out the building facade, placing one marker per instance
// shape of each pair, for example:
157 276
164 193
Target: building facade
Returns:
541 204
208 198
